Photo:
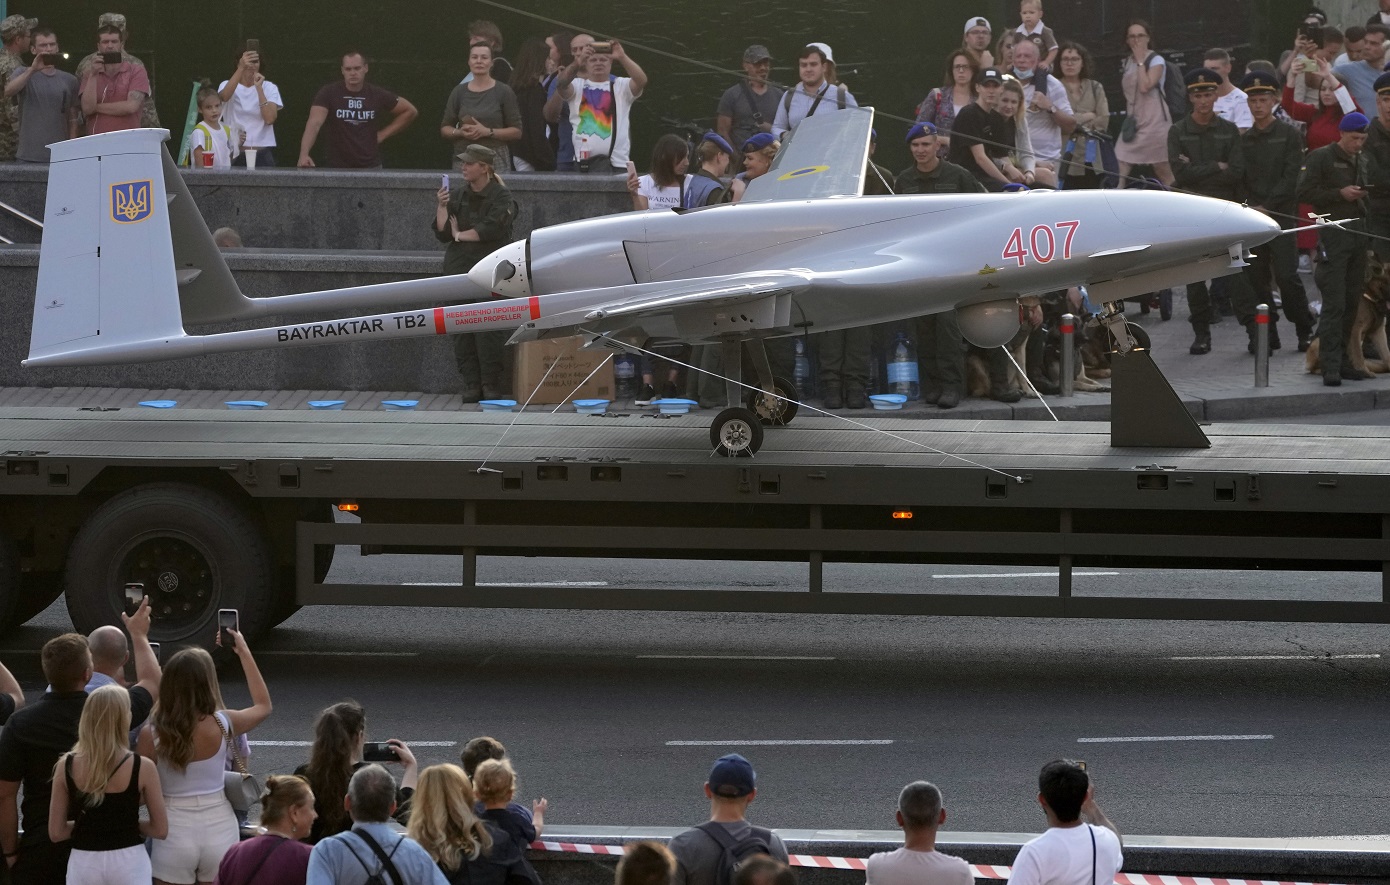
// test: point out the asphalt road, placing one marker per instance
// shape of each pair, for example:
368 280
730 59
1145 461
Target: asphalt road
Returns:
615 717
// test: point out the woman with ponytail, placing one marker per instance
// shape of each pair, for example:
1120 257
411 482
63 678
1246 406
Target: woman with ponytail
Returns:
340 733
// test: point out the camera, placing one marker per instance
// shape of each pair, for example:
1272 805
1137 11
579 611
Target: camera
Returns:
379 752
602 47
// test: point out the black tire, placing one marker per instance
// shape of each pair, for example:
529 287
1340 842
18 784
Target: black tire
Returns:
772 411
283 607
736 433
194 550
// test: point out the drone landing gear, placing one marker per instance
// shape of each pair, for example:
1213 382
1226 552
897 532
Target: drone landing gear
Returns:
1145 411
738 430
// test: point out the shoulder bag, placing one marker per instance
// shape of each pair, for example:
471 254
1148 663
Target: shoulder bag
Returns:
240 786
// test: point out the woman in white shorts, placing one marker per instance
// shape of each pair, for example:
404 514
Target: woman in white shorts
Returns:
98 789
187 736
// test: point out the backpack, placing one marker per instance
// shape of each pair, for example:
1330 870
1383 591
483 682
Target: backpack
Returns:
380 876
1174 87
735 851
840 92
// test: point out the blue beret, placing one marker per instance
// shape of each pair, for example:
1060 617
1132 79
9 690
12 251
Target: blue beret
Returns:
873 135
920 130
718 141
1354 122
1261 83
1382 83
758 142
1202 79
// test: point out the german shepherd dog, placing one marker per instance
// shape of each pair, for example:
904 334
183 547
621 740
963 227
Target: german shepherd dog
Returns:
1037 348
1368 330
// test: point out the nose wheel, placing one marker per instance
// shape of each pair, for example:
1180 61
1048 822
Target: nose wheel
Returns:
774 411
736 433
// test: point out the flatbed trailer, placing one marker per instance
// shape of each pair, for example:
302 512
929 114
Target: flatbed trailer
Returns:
221 509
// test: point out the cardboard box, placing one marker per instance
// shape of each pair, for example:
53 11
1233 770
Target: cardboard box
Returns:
534 358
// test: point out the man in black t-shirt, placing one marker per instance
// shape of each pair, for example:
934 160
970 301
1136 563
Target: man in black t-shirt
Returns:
349 111
30 745
977 133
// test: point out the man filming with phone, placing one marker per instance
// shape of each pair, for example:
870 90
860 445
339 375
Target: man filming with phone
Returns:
48 100
113 91
599 105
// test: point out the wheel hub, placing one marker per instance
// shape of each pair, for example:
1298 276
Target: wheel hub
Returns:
736 436
177 570
168 582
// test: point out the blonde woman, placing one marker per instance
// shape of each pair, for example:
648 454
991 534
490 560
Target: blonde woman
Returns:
187 737
758 154
467 849
1020 166
102 785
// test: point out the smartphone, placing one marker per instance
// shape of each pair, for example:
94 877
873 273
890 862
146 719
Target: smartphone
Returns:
53 59
631 168
227 619
1311 33
253 45
602 47
154 647
444 182
134 593
110 58
1310 65
379 752
1080 763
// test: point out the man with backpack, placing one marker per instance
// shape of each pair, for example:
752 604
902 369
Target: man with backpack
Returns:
708 854
813 94
371 853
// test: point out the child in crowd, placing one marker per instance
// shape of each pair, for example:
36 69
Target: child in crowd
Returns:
495 785
1031 11
211 135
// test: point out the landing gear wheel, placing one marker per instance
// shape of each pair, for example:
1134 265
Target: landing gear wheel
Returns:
1137 332
773 411
195 552
736 433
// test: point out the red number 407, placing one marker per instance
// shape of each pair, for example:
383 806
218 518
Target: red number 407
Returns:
1041 245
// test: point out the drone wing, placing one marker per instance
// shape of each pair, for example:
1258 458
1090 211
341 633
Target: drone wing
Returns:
825 156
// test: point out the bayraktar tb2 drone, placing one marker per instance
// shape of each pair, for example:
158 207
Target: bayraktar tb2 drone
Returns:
127 264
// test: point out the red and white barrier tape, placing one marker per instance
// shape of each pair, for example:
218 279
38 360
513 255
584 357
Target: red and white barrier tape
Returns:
979 871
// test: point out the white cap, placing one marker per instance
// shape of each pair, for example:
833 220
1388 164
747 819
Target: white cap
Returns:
978 21
829 56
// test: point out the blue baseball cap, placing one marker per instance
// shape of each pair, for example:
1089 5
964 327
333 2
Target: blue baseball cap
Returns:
920 130
732 777
758 142
1354 122
718 141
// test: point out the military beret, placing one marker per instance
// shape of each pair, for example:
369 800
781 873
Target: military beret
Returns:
919 131
1261 83
758 142
718 141
1202 79
1382 83
1354 122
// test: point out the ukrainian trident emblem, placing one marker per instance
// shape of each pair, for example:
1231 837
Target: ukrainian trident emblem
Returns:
130 202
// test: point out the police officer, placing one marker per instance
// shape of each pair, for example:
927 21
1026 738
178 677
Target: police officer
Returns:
938 336
1376 157
475 220
1273 156
1332 182
1205 152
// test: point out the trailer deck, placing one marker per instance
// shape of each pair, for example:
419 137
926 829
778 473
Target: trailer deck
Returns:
631 485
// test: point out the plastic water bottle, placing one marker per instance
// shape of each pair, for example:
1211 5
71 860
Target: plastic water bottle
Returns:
902 368
624 376
801 374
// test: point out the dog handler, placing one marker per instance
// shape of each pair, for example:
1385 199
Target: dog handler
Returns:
1331 183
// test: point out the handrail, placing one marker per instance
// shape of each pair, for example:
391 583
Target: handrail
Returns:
21 216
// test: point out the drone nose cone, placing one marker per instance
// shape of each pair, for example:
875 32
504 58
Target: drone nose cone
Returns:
1254 227
505 272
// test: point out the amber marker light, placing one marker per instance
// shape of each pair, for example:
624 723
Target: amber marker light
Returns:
902 514
348 507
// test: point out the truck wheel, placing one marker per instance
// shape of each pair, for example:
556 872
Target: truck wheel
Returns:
195 552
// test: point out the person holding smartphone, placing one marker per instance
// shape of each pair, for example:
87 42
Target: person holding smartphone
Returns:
114 91
48 100
340 748
252 104
187 737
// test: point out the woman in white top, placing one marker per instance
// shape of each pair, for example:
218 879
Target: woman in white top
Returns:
252 104
661 188
187 737
1021 165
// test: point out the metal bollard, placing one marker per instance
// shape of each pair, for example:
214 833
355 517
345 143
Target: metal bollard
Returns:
1262 345
1067 372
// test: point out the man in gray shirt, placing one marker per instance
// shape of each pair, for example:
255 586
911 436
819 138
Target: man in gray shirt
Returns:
700 850
1360 76
48 100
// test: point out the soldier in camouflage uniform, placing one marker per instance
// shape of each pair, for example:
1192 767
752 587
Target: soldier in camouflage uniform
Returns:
149 119
14 30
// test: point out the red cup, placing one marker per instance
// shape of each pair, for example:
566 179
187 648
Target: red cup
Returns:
207 159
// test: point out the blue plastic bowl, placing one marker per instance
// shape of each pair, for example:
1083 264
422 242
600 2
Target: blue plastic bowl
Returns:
245 404
888 402
332 405
160 403
497 405
399 405
591 406
675 406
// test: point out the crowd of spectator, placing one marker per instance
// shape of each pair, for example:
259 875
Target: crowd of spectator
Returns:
134 782
1018 109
